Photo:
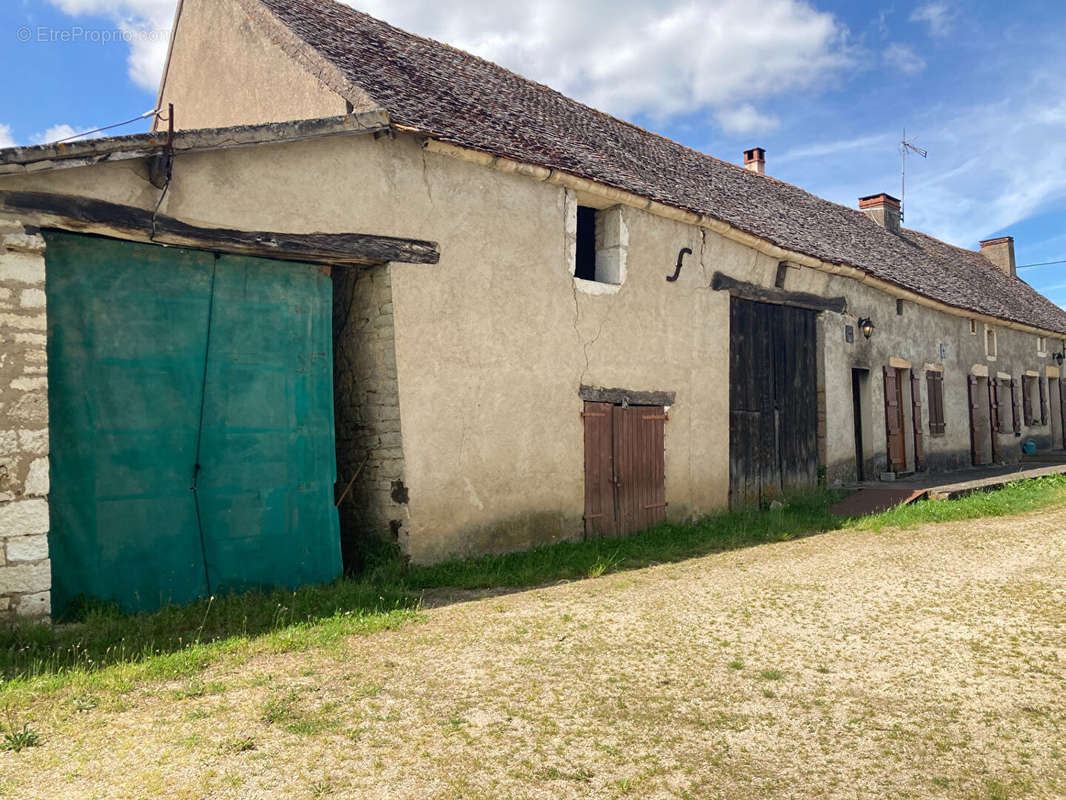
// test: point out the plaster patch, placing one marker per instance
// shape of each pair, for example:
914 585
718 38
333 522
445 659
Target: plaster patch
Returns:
471 493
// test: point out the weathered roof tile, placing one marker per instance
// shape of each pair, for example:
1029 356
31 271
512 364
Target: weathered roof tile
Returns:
457 97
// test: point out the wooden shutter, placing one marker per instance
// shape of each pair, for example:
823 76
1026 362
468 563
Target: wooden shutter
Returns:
1016 411
974 399
1062 408
993 416
891 401
1043 401
993 406
935 390
916 412
600 517
1027 402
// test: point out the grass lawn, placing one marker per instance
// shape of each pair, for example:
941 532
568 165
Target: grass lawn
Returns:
886 657
182 640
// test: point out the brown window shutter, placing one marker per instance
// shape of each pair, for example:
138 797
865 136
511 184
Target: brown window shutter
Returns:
935 388
891 400
940 402
1027 402
1016 411
916 411
972 379
993 405
1043 401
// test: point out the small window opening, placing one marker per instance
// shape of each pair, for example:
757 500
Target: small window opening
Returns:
586 244
899 308
1041 345
990 342
601 246
973 327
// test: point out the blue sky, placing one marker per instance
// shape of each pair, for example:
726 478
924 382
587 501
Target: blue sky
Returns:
826 87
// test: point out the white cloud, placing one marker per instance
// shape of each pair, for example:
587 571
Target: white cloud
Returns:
745 118
637 56
6 140
145 24
903 58
981 175
936 15
55 133
861 143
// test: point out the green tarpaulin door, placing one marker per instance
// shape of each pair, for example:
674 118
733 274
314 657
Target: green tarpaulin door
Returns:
145 344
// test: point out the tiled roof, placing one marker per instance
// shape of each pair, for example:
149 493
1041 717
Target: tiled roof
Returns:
459 98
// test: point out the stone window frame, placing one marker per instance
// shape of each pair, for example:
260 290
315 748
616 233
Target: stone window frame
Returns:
991 342
612 246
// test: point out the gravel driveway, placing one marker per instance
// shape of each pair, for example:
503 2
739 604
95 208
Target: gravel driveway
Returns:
908 663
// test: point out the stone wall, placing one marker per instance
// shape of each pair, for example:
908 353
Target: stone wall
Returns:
25 571
367 413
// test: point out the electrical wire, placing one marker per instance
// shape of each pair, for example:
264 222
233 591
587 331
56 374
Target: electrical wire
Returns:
145 115
1042 264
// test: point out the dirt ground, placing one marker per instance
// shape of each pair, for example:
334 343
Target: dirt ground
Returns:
919 663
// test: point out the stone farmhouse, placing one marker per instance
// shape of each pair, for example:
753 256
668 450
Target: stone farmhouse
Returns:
357 265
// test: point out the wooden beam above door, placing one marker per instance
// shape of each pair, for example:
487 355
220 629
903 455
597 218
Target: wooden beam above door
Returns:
750 291
88 215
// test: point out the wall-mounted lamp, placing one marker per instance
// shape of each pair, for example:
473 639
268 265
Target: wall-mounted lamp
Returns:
1059 359
866 325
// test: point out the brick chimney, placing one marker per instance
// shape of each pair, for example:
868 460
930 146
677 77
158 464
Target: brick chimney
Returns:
1000 251
755 160
882 209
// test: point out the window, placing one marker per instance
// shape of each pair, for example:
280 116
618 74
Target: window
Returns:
1041 345
899 308
935 384
990 343
973 327
602 242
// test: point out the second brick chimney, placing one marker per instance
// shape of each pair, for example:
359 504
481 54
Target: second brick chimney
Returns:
755 160
1000 251
882 209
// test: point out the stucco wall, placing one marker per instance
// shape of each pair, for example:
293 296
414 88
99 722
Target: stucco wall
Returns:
226 70
25 571
493 343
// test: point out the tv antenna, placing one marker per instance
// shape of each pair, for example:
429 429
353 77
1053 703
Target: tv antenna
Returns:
904 146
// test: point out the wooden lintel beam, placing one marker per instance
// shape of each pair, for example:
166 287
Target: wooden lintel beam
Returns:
89 215
750 291
599 394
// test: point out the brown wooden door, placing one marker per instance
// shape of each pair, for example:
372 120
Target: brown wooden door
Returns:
773 402
600 516
975 395
1062 408
625 468
897 446
639 467
995 423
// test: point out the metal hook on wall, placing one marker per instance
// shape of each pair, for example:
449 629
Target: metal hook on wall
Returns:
680 260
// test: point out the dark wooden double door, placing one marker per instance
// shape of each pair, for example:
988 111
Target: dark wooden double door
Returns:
773 402
625 468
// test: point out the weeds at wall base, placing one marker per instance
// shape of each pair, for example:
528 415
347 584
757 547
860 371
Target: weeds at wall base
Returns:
108 651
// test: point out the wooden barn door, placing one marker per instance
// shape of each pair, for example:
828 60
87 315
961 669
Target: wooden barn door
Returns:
897 443
625 468
773 402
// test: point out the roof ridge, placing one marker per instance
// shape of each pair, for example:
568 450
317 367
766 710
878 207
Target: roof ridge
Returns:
444 92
